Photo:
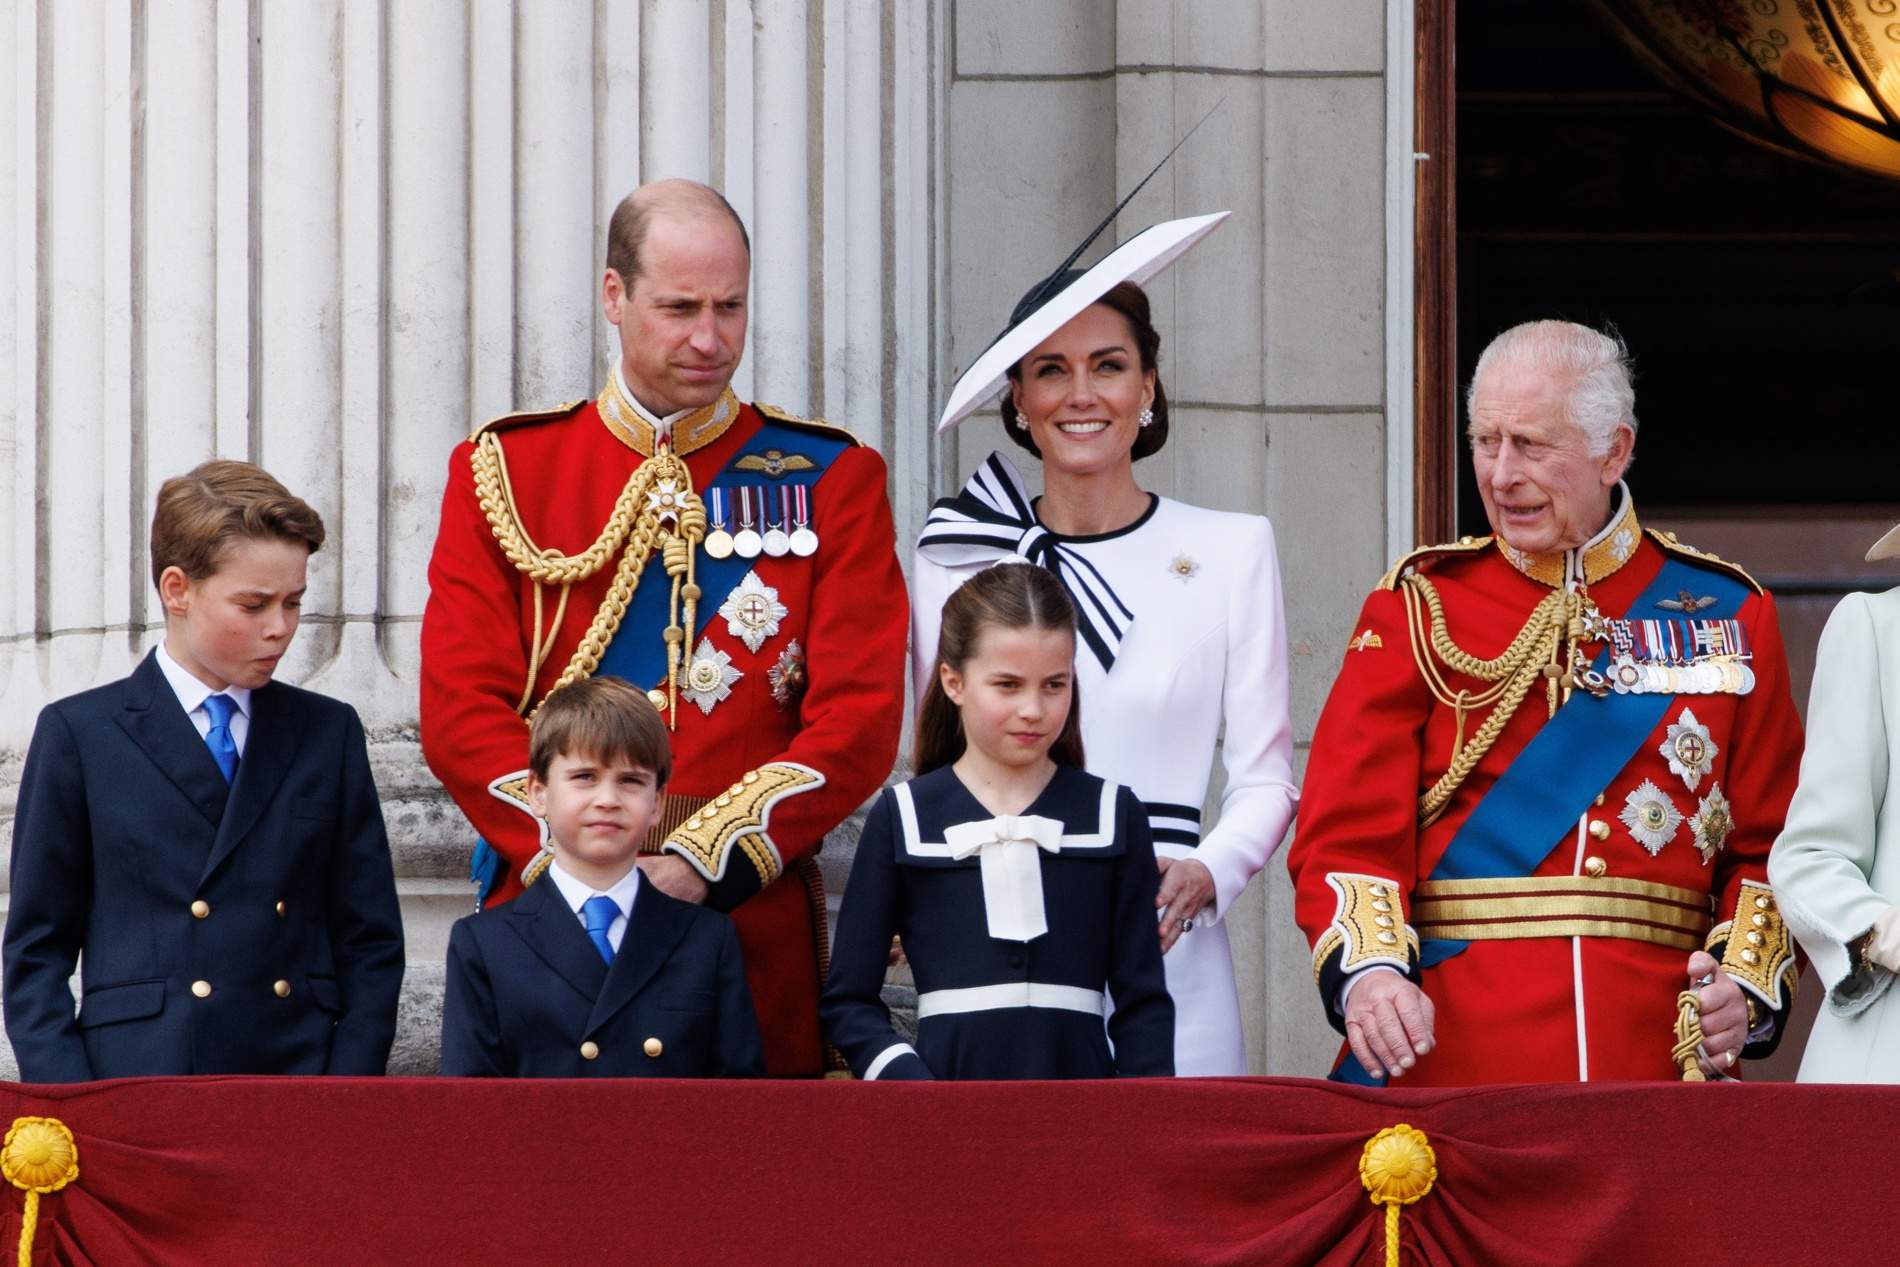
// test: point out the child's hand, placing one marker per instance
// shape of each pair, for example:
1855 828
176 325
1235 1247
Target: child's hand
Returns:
674 877
1187 887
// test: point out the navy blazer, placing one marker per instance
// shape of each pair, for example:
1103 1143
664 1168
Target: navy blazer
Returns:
991 1007
249 928
528 996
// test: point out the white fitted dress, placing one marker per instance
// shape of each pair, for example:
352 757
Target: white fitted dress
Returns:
1206 646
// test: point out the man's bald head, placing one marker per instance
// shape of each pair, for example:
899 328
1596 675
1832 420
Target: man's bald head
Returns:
685 200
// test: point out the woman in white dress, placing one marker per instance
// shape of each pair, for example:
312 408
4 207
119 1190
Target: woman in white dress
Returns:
1182 628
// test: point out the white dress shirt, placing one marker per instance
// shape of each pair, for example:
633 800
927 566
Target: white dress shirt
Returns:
576 892
192 695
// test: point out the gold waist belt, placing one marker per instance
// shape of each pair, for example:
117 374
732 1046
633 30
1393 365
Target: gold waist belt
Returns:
1561 906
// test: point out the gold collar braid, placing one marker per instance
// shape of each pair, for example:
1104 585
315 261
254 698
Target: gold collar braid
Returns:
1547 647
1597 558
688 434
657 509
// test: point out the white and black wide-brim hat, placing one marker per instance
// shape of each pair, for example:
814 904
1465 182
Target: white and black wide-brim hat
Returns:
1061 297
1888 547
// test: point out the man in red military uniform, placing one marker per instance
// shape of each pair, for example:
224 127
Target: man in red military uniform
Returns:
735 561
1543 789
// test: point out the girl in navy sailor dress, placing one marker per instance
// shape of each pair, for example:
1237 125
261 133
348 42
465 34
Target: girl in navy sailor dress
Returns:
1023 888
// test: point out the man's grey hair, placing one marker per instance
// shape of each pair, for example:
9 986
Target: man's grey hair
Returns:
1592 365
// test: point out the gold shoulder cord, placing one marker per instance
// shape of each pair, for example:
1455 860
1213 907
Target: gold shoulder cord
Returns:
658 505
1559 621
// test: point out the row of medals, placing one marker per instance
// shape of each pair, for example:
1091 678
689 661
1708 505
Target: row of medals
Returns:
1627 675
749 543
1717 675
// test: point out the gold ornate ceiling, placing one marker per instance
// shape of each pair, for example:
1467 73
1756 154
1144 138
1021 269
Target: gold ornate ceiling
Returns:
1820 78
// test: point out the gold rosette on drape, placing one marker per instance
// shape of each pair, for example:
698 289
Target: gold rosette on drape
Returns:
39 1156
1398 1167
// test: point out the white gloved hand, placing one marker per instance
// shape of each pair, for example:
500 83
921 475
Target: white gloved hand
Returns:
1883 943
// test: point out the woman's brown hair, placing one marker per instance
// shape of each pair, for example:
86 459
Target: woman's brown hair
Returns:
1007 596
1131 301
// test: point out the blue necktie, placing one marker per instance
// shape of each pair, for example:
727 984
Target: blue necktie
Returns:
598 914
218 738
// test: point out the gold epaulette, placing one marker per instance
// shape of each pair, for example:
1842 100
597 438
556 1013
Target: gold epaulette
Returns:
817 425
527 415
1463 545
1667 540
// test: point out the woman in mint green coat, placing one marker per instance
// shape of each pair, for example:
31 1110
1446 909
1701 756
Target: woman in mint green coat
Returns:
1836 866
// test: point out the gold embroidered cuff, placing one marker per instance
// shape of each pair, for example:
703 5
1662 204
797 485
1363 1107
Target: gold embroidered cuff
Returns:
1368 925
1759 954
737 820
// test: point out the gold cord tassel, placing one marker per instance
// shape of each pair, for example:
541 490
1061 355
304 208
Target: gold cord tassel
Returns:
657 509
1542 648
1688 1036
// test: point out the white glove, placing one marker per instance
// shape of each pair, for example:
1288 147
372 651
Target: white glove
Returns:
1883 943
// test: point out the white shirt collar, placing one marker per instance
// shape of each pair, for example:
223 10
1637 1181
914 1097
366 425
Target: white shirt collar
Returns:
190 691
661 426
575 892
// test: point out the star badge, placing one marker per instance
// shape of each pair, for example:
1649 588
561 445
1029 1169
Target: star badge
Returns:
1712 823
666 500
709 678
1650 816
788 675
1689 749
752 611
1182 568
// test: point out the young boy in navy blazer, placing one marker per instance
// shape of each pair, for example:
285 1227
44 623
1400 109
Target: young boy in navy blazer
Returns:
205 841
593 972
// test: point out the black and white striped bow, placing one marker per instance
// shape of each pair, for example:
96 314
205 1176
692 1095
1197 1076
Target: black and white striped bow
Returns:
991 520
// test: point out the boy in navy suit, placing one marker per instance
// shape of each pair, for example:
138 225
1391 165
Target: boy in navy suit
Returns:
594 972
209 839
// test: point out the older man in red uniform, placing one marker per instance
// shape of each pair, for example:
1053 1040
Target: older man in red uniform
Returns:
734 560
1543 789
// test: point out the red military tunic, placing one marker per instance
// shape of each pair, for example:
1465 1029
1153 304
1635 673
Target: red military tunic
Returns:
1582 983
803 735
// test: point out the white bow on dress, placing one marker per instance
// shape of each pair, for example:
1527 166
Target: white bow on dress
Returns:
1006 849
